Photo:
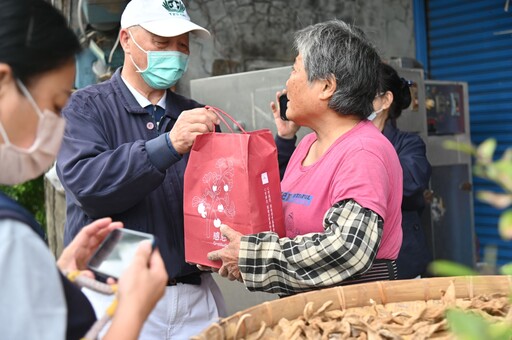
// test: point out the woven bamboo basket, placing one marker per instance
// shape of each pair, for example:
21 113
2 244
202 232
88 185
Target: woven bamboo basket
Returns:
400 295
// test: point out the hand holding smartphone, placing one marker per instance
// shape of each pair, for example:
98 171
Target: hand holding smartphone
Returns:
116 252
283 104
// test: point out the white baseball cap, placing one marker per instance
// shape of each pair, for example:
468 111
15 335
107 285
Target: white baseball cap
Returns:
166 18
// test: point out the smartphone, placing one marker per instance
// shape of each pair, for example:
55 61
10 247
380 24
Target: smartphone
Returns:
283 104
116 252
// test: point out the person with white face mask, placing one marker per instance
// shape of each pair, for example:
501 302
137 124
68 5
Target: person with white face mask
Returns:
37 71
394 96
28 163
124 155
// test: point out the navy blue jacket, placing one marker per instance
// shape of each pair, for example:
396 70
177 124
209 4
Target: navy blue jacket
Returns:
415 253
114 163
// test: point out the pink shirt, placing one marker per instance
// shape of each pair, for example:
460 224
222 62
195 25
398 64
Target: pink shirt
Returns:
361 165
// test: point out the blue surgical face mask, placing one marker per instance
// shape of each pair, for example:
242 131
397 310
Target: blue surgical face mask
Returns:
164 68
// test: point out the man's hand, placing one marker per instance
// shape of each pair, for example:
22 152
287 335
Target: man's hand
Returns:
189 125
228 255
80 250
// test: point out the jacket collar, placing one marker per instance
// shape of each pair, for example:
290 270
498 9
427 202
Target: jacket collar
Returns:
389 130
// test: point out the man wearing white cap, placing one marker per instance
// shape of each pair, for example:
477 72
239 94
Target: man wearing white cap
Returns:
124 155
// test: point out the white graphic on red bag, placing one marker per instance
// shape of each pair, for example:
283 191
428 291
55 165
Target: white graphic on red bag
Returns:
215 203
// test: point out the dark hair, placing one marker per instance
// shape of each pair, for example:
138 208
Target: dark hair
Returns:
34 38
390 81
342 51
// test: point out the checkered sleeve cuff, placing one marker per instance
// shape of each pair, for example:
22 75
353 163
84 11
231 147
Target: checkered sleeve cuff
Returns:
346 248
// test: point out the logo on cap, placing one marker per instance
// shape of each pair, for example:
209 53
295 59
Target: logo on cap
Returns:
174 7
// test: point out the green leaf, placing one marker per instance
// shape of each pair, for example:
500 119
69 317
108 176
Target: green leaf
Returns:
449 268
485 151
467 326
506 269
500 201
30 195
505 225
500 330
470 326
492 172
507 155
458 146
504 174
479 171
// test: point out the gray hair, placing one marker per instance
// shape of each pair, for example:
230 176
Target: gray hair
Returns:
335 49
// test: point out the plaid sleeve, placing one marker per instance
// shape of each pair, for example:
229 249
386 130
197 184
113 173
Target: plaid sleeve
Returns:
287 266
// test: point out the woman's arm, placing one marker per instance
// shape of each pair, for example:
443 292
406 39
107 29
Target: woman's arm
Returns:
140 288
347 247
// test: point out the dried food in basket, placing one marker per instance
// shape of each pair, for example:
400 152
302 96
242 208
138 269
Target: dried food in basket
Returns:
410 320
391 318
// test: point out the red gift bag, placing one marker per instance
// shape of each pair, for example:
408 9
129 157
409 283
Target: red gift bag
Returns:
232 179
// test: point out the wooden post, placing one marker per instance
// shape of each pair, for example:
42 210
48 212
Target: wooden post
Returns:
55 205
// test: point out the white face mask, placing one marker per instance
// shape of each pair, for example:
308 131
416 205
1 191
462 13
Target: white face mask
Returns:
374 114
19 164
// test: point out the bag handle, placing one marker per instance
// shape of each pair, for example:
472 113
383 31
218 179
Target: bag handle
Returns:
220 114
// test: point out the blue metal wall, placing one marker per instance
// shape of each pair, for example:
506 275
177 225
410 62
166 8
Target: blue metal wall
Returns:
471 41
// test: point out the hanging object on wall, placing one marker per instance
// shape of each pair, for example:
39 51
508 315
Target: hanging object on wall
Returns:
98 23
103 15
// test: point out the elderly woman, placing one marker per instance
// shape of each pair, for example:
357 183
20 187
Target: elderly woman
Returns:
342 188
